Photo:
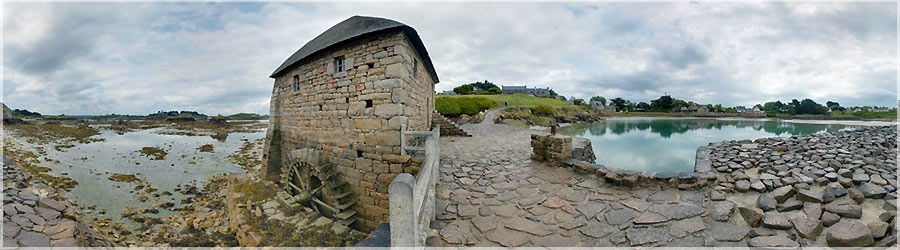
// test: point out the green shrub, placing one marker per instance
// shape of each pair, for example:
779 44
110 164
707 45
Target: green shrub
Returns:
542 110
447 106
454 106
541 121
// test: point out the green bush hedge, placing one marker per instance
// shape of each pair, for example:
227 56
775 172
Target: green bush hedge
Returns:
542 110
454 106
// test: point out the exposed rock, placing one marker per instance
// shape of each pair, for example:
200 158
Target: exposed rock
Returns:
751 215
790 205
485 224
458 232
878 228
829 218
845 210
527 226
508 238
849 234
773 241
856 195
809 196
716 196
742 185
807 228
870 190
766 203
728 232
812 210
775 220
721 210
783 193
33 239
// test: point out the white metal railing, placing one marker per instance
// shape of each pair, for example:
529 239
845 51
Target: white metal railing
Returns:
412 198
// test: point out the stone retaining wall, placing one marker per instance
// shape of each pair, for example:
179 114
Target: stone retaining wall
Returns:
557 149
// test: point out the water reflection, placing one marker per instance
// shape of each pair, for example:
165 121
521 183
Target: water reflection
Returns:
667 127
669 145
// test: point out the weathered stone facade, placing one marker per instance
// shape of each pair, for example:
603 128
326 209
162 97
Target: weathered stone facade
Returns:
354 117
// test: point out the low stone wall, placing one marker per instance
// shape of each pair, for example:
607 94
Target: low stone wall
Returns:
576 152
557 149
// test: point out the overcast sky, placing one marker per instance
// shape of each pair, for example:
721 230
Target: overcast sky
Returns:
137 58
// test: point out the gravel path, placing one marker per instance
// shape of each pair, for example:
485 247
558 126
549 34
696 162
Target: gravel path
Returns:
489 116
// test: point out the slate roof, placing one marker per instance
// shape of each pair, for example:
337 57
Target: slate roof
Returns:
353 28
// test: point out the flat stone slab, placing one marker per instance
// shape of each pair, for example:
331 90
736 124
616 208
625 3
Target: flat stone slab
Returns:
773 241
557 241
637 205
684 227
591 208
728 232
640 236
485 224
458 232
508 238
721 210
677 211
597 230
525 225
33 239
618 217
849 234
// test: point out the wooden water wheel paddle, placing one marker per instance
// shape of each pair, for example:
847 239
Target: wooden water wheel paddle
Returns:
316 184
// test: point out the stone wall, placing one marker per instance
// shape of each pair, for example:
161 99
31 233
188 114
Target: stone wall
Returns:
556 149
354 117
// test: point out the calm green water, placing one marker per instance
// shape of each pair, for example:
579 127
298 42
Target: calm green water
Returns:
670 145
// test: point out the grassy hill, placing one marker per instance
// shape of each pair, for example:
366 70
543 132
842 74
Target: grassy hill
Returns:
519 100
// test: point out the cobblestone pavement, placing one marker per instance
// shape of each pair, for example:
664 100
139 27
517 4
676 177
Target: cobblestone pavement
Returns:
490 193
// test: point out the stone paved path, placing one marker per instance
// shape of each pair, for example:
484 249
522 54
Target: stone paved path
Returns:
489 116
491 194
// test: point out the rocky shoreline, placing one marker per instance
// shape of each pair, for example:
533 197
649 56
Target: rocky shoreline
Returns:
35 215
844 183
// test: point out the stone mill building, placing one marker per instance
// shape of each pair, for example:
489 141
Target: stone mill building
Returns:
336 112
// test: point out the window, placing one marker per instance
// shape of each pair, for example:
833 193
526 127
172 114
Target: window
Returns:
339 64
296 82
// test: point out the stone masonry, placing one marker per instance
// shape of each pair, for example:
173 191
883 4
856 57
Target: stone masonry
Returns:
354 117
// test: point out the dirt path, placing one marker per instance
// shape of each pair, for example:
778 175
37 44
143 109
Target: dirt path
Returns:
489 116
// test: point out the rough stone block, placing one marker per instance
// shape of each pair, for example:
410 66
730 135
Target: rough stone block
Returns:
389 110
388 83
367 123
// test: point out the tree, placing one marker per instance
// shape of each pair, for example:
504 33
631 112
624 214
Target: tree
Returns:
663 102
485 85
619 103
599 99
643 106
832 104
577 101
465 89
495 90
553 94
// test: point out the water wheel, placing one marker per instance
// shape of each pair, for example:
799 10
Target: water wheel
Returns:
316 184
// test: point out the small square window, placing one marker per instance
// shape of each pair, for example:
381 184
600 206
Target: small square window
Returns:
339 64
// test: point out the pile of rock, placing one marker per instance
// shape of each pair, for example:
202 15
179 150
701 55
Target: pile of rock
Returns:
830 176
557 149
34 215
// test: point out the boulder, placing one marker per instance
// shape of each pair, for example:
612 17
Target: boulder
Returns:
775 220
721 210
873 191
849 234
879 229
845 210
751 215
742 186
829 218
766 203
783 193
790 205
856 195
807 228
809 196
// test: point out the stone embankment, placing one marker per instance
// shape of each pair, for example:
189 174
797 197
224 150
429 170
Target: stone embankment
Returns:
844 183
34 215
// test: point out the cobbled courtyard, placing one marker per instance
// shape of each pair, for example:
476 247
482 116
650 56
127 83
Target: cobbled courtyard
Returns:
492 194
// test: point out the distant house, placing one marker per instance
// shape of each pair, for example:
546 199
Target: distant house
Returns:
447 92
756 110
525 90
740 109
857 110
694 107
880 109
703 109
597 105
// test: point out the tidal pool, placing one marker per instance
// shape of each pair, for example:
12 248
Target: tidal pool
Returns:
92 165
668 145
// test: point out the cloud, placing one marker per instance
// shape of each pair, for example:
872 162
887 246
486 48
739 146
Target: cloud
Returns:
97 58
